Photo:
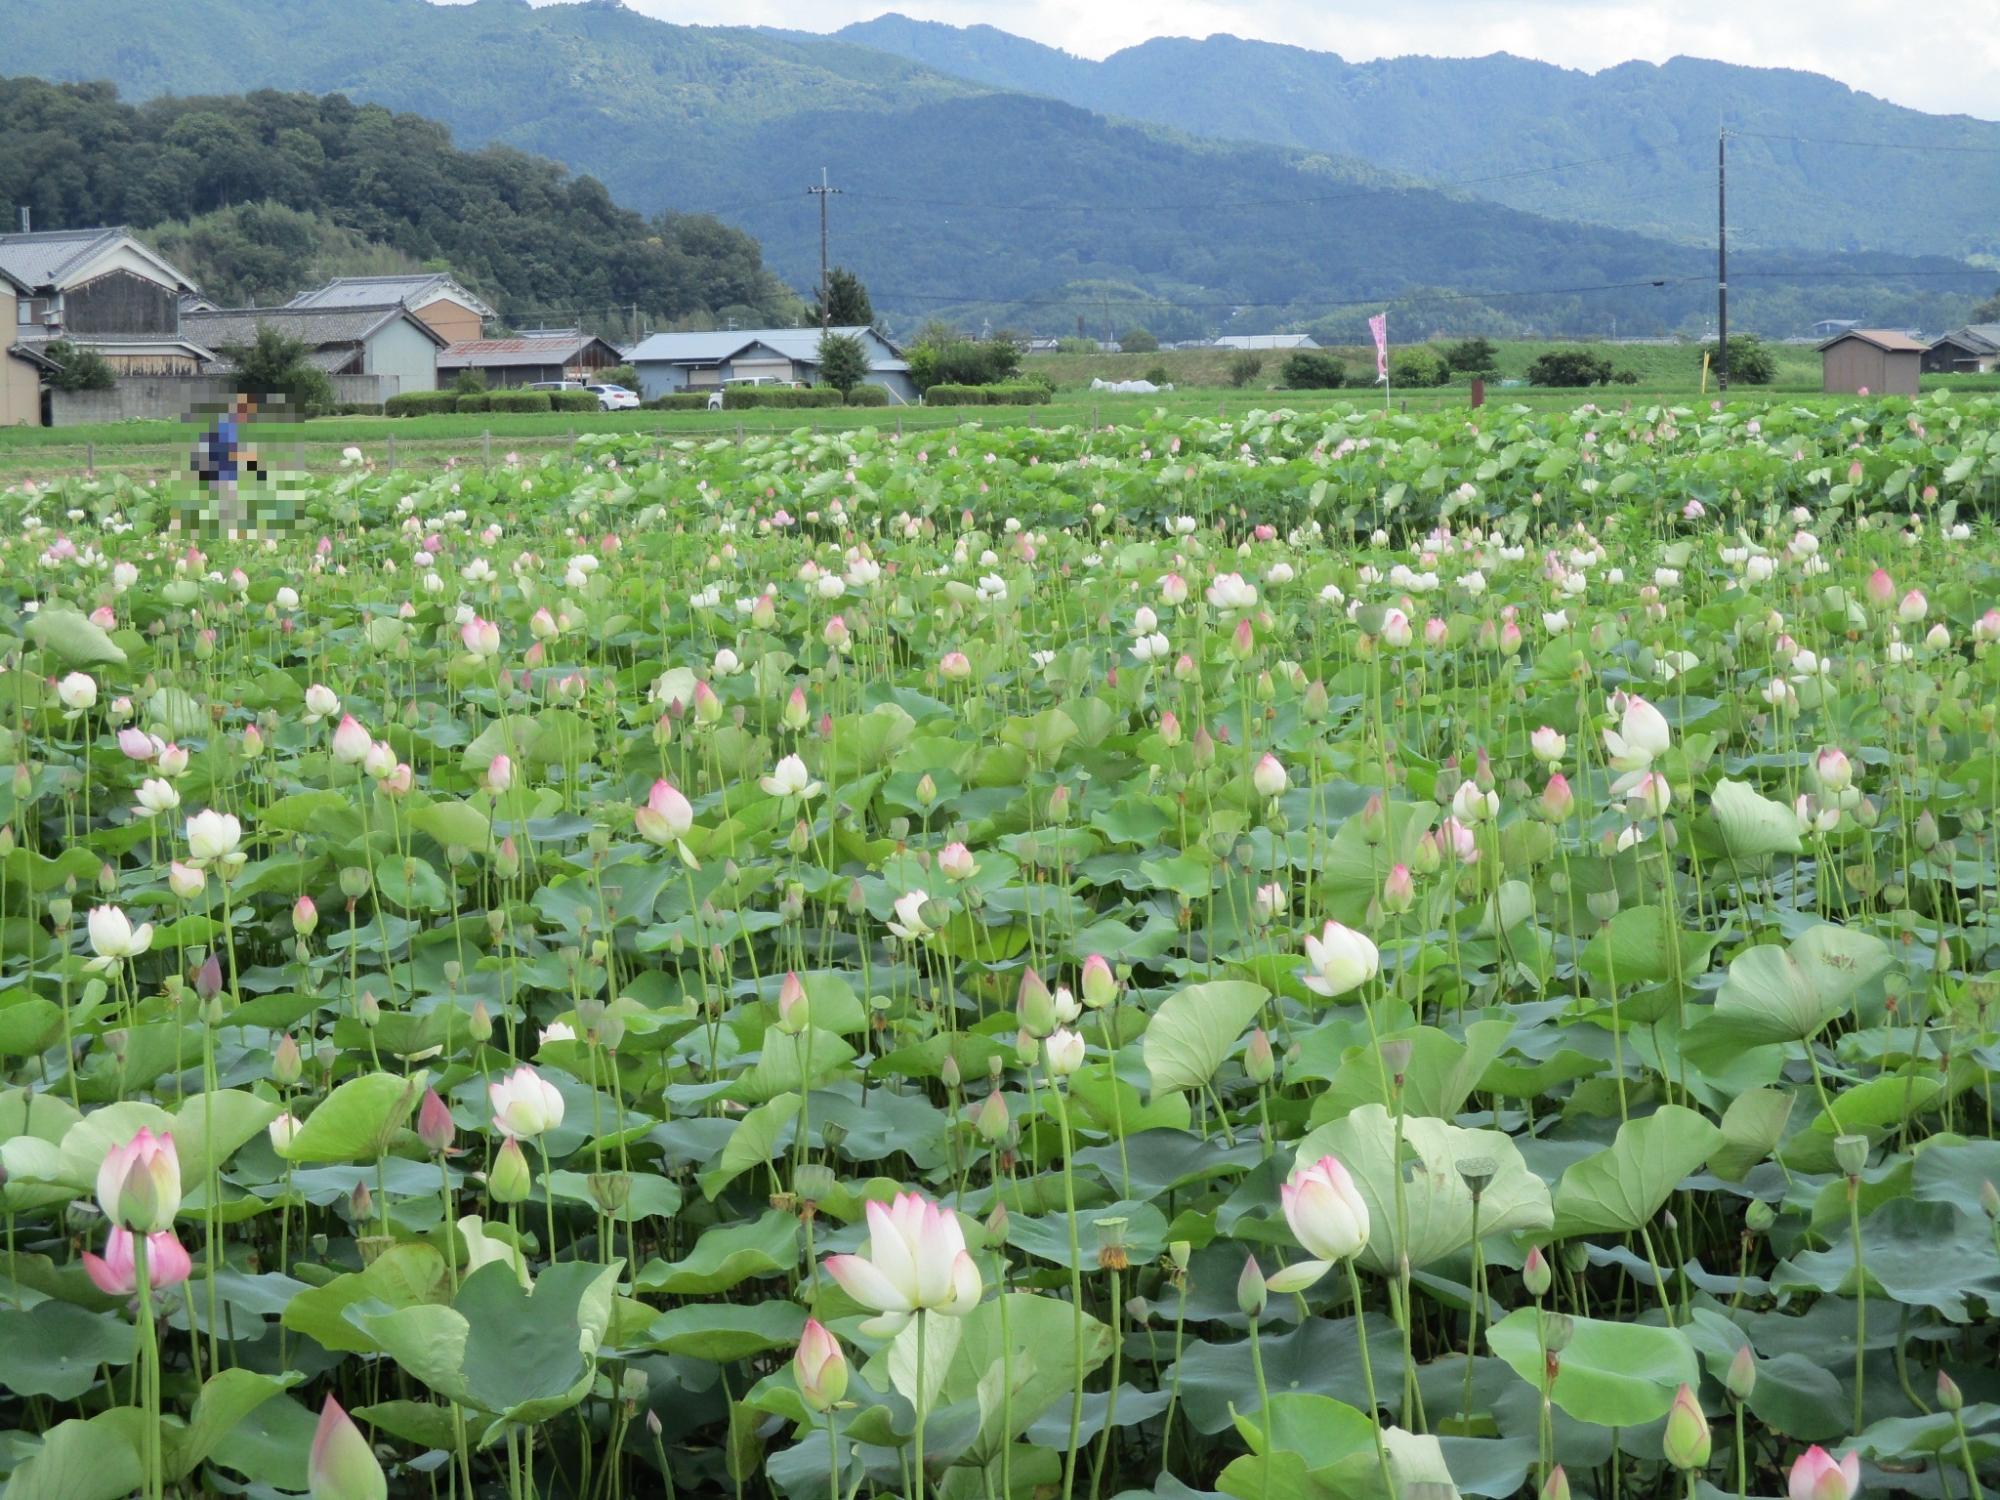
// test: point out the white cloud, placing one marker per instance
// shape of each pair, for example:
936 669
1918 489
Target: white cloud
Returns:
1941 60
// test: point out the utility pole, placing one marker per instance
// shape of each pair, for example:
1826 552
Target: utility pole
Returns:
1721 261
822 192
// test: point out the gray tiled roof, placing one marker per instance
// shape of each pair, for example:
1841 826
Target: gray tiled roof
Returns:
48 256
800 345
373 291
317 326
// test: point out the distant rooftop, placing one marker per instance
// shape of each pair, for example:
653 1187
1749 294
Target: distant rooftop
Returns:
47 257
412 290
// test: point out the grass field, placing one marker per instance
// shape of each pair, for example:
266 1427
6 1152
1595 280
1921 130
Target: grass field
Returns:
157 449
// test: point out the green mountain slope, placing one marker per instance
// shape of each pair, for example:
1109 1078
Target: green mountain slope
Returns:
957 199
1458 118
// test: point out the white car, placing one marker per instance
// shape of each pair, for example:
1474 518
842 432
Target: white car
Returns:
715 397
614 397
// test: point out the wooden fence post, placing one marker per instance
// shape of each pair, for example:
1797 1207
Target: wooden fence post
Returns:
392 453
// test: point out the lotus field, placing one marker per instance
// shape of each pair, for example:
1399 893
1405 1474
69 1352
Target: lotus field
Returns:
1365 956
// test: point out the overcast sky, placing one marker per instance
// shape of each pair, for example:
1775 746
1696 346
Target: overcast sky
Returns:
1935 57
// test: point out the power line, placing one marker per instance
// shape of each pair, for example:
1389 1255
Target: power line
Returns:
1818 140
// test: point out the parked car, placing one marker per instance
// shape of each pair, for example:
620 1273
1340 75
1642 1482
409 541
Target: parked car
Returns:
614 397
557 385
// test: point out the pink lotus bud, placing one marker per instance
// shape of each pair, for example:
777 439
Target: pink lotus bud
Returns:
137 744
435 1127
1099 984
305 916
1399 891
351 742
499 774
1557 798
341 1465
819 1367
1269 777
794 1010
1881 588
665 816
954 666
1170 728
1818 1476
797 712
956 861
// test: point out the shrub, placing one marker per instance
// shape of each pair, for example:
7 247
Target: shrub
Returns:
571 400
528 400
1625 377
868 395
1750 363
963 362
843 361
1472 357
1570 367
1016 393
1159 375
78 369
749 397
1418 367
358 409
1244 368
1307 371
625 375
476 400
276 364
678 401
1138 341
420 403
469 382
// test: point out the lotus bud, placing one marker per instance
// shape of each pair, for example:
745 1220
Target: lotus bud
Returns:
341 1465
1100 985
1374 819
1170 729
991 1119
1759 1217
1556 1486
1250 1290
1603 905
360 1203
509 1179
369 1009
305 916
1399 890
435 1127
480 1027
1536 1274
1742 1377
949 1073
1269 777
819 1368
1926 831
1949 1396
794 1010
1258 1062
1034 1005
208 978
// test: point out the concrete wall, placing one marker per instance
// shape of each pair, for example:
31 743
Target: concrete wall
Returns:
172 397
403 357
20 392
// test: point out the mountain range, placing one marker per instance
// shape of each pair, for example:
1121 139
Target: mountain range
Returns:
986 178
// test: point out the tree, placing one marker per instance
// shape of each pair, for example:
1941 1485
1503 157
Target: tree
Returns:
78 369
1138 341
625 375
277 364
963 362
847 304
1307 371
1569 367
1750 363
1989 310
1475 356
468 383
1244 368
1418 368
843 360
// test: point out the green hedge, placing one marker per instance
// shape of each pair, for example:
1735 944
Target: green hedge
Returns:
420 404
358 408
522 400
868 395
1019 393
476 401
571 400
679 401
747 397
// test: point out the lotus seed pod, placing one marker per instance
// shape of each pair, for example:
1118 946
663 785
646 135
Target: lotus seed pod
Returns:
1850 1153
1759 1217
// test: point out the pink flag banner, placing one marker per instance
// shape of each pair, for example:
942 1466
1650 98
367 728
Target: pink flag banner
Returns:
1379 326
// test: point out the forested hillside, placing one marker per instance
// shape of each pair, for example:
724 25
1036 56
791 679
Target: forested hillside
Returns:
258 196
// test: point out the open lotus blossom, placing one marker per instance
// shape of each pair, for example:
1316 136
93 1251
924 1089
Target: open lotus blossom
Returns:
525 1104
1327 1215
790 778
157 795
916 1262
116 1272
1642 736
139 1183
1817 1475
664 816
212 836
136 744
113 937
1548 746
321 703
909 924
77 691
1339 959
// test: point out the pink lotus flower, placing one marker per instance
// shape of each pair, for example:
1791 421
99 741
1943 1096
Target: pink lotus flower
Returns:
139 1183
916 1261
116 1273
957 862
481 637
1881 588
954 666
341 1465
138 745
1328 1216
1269 777
1817 1476
665 817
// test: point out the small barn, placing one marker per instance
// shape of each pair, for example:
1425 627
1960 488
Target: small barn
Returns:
1880 361
1971 350
389 342
541 354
